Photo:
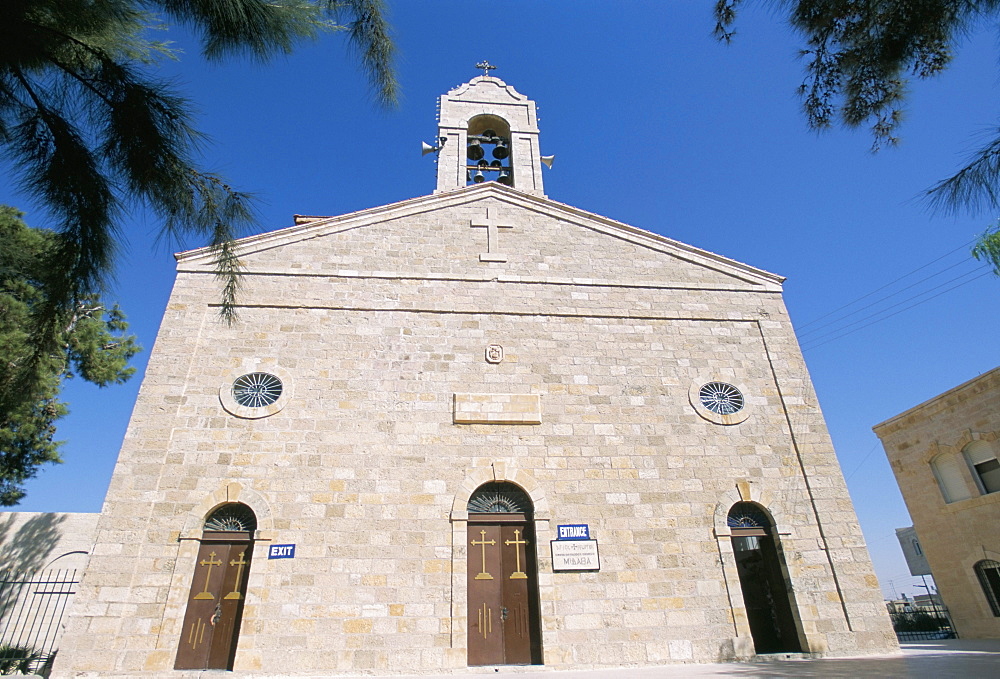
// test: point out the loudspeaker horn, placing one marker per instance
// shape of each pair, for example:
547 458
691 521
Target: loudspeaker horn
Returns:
426 148
547 161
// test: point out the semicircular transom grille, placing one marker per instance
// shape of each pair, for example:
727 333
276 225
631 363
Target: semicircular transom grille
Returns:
721 398
256 390
747 515
234 517
499 498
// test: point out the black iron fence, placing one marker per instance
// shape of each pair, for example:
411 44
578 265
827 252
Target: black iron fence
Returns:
32 606
921 624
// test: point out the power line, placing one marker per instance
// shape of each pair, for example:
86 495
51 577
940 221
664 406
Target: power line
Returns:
887 297
838 324
891 306
862 463
883 318
889 284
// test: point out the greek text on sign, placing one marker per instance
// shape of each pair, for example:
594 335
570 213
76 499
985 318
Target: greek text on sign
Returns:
281 552
576 531
575 555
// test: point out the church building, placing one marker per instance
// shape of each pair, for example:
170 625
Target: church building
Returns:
474 428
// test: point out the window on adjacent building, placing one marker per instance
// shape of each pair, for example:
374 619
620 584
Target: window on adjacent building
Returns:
916 547
985 466
988 572
948 472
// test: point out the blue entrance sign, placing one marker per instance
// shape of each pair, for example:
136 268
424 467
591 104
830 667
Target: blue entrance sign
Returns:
575 531
281 552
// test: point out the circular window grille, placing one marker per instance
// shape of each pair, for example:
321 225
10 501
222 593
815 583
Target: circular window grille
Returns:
234 517
256 390
747 515
499 498
721 398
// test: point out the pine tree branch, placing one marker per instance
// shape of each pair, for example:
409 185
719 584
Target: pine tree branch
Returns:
975 187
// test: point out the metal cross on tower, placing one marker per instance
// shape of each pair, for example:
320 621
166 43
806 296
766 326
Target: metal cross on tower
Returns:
486 66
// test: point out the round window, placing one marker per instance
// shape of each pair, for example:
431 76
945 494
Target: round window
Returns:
721 398
256 390
254 395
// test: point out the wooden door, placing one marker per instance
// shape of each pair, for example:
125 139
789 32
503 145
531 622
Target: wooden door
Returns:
769 610
215 605
503 600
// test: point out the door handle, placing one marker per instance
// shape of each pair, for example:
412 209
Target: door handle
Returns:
503 613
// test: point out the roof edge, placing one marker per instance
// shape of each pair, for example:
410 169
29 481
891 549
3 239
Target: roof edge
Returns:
311 223
934 399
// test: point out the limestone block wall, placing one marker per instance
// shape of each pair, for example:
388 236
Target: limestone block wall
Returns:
42 557
954 535
379 331
30 541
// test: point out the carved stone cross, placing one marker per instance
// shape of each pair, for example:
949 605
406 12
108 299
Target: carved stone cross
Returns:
492 226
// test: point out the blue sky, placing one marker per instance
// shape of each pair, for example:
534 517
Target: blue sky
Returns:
655 124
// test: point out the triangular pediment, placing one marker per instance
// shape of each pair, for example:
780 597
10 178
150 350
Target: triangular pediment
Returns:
449 234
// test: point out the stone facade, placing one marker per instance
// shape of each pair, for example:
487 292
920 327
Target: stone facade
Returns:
567 361
934 449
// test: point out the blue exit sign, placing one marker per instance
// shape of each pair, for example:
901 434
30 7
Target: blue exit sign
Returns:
575 531
281 552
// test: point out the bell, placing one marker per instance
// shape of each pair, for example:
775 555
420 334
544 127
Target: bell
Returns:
495 163
505 178
501 151
489 134
479 178
483 165
468 176
475 151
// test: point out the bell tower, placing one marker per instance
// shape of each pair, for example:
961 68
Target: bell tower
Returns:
488 131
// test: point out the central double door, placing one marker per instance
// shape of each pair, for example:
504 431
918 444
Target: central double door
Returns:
215 603
503 594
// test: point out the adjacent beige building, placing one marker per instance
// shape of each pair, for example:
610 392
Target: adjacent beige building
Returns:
944 453
478 427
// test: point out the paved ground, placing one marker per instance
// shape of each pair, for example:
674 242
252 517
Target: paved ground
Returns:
947 659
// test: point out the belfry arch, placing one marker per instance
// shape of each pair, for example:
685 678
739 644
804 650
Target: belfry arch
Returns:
488 149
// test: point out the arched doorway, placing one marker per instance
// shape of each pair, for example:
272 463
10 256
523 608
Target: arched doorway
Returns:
502 578
218 589
988 572
765 595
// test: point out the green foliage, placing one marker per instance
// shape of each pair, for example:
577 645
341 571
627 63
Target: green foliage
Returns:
860 56
84 338
988 248
918 621
91 129
17 659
